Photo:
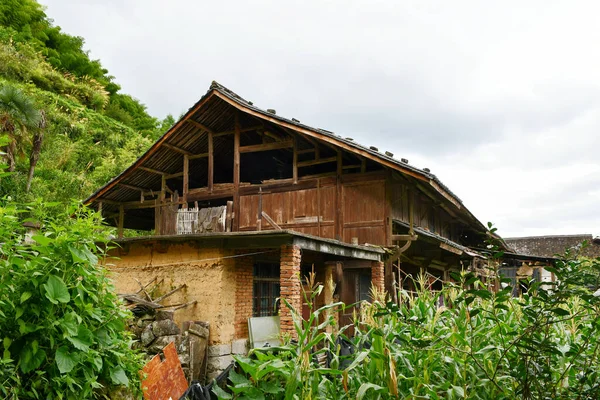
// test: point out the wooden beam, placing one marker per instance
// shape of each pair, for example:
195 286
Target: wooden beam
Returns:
306 151
351 166
195 156
133 187
154 171
177 149
451 249
273 136
236 173
270 221
211 162
267 146
175 175
121 221
242 130
186 178
316 162
199 125
398 238
295 161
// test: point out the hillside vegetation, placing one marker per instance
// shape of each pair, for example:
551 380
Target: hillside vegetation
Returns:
92 130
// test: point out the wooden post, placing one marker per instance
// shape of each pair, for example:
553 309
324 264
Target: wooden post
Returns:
295 161
100 207
318 207
186 179
411 212
328 291
121 221
236 174
228 212
211 162
158 220
339 223
259 217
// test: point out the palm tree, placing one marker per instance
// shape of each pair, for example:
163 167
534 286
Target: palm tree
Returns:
18 115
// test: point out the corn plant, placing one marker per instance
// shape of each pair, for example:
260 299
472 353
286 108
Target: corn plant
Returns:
480 345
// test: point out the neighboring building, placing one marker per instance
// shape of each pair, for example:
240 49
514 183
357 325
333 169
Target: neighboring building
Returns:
239 201
553 245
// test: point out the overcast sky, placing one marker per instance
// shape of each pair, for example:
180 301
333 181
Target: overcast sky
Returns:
501 100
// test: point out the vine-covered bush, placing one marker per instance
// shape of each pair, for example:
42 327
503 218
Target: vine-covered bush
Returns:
62 329
480 345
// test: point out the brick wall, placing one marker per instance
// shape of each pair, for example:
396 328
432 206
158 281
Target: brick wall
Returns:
377 275
243 295
290 286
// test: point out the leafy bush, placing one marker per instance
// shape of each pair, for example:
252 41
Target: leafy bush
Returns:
481 345
61 325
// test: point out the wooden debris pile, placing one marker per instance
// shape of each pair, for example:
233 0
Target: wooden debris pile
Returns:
154 328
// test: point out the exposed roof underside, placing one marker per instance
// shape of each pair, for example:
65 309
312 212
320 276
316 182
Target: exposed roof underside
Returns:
268 239
216 112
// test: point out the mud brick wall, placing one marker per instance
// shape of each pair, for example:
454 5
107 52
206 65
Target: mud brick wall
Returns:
209 277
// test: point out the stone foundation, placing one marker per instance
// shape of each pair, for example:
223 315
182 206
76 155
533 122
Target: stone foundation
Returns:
221 355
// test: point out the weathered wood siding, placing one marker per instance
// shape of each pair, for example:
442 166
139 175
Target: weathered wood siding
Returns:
426 213
311 207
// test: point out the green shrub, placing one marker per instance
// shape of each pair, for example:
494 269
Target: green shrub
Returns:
62 328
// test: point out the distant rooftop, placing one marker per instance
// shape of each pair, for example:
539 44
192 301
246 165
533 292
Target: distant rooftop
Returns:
550 245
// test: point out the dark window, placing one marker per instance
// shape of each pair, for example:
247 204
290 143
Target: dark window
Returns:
364 287
266 290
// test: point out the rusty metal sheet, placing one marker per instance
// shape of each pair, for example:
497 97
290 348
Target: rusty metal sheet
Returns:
164 379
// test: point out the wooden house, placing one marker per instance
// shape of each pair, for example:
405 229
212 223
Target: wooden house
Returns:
238 201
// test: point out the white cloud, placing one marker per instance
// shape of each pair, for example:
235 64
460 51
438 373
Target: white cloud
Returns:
500 99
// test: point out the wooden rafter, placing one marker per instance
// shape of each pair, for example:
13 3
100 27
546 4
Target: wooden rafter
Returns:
154 171
199 125
196 156
267 146
133 187
175 175
178 149
242 130
317 162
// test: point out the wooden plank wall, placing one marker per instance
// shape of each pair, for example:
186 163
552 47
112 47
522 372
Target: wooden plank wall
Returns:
308 210
426 214
313 210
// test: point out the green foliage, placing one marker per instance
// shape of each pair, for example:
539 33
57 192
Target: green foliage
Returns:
61 325
92 133
481 345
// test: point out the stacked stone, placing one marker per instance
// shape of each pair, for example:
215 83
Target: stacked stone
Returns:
377 275
154 332
290 288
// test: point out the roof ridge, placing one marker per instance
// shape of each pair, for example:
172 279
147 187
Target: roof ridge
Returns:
577 235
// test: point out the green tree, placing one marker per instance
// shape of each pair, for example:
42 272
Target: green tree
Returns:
18 115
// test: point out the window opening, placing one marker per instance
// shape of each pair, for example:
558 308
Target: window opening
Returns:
266 290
